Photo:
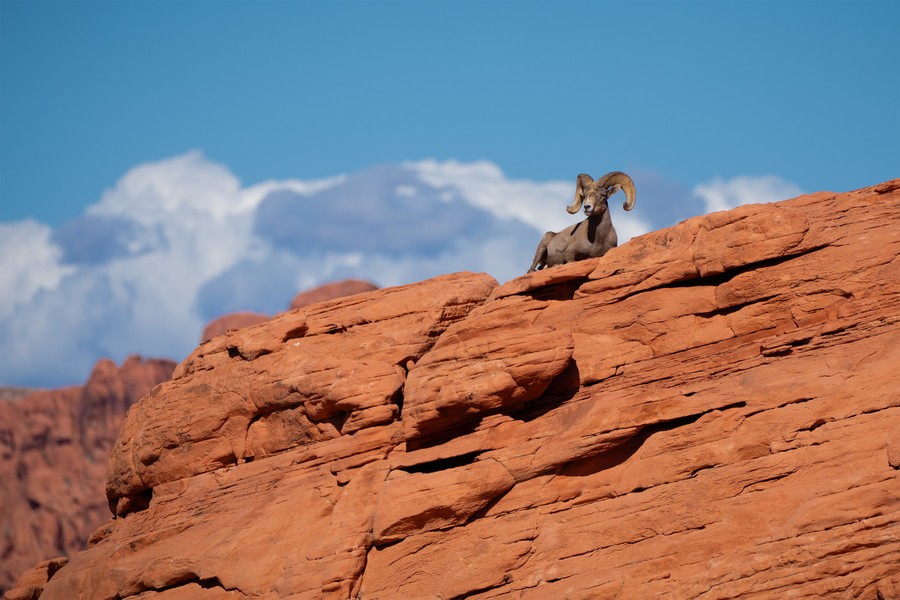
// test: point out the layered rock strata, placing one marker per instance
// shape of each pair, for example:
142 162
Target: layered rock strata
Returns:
708 411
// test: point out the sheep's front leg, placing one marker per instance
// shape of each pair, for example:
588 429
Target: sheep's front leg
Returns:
540 256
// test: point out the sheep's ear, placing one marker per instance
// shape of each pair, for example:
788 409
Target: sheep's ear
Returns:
581 182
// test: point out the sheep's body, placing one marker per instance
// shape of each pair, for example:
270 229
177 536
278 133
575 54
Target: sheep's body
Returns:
595 235
590 238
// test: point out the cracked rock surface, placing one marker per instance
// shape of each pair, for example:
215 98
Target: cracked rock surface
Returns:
709 411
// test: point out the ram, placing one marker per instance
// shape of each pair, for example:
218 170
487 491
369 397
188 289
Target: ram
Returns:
595 235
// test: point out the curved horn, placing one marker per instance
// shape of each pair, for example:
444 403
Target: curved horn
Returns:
621 181
581 182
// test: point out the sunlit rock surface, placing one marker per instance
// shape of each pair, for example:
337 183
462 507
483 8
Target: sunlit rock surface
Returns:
708 411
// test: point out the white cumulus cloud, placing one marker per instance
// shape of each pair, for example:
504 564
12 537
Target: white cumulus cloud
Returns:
80 292
30 263
179 241
484 185
725 194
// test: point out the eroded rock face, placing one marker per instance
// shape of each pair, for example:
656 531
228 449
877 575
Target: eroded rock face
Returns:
709 411
54 446
307 376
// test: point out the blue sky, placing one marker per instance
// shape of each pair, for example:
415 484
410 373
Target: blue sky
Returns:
805 90
162 163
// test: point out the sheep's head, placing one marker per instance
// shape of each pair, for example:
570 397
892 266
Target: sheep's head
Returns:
594 194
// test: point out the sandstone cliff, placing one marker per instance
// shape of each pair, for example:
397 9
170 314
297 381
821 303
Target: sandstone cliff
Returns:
54 446
709 411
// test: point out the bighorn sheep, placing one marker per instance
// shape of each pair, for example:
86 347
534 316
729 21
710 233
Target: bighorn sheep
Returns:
595 235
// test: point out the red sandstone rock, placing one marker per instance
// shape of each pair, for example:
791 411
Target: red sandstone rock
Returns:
31 584
231 321
54 445
708 411
306 376
330 291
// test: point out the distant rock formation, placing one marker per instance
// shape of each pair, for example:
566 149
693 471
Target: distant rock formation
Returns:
322 293
330 291
231 321
14 393
708 411
54 446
